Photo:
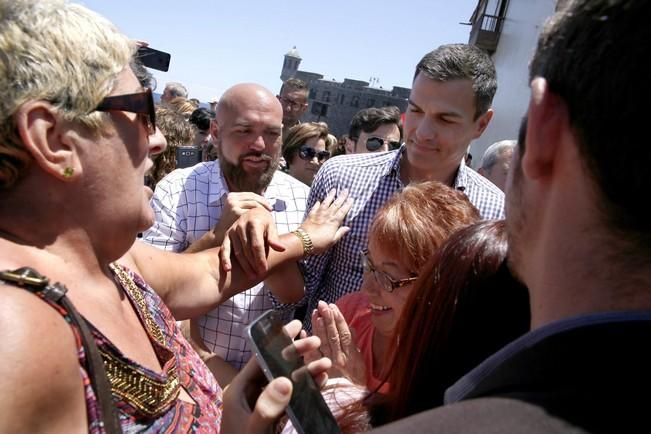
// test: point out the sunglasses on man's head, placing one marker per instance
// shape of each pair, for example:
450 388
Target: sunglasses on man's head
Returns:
141 103
307 153
375 143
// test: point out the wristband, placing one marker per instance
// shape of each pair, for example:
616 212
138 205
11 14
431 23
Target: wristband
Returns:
306 241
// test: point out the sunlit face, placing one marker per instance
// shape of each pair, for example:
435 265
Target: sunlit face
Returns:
304 170
120 157
294 104
386 132
386 307
440 124
249 142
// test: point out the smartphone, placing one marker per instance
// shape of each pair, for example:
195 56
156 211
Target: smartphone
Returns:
187 156
154 58
278 357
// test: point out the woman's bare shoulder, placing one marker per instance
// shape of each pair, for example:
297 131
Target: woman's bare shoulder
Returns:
39 374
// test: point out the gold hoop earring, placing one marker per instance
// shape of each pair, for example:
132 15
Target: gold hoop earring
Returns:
68 171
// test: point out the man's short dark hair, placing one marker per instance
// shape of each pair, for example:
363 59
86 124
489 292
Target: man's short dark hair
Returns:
462 62
370 119
201 118
294 84
590 55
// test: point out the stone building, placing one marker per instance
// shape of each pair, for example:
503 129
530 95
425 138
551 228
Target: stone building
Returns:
336 102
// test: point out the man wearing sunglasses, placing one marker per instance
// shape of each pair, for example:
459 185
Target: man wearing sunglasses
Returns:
376 130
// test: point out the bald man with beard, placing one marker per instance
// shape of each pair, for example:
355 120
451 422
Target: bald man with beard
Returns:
201 202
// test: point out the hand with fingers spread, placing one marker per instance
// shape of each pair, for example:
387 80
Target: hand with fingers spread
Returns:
324 222
337 343
247 409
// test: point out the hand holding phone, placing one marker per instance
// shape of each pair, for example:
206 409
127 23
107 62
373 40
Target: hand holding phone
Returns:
279 357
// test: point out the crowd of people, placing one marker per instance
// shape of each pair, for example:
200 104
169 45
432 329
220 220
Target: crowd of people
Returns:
423 296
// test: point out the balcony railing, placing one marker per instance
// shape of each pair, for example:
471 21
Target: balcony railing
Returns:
486 31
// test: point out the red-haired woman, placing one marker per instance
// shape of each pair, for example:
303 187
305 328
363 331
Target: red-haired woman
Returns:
465 307
405 232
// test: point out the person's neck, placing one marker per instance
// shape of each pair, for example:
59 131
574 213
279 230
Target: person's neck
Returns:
380 348
578 270
444 175
48 226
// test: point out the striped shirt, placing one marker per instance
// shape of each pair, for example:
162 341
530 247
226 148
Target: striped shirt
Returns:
371 179
188 203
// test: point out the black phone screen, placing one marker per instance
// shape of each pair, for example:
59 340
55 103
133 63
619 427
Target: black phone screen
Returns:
155 59
278 357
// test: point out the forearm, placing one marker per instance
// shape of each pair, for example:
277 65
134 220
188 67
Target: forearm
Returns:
286 282
209 240
192 284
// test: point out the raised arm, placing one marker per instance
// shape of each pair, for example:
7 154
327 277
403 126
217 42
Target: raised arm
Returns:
192 284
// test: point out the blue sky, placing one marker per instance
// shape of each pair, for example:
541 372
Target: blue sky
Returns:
215 44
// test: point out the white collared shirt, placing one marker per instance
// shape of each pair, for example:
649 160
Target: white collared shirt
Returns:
188 203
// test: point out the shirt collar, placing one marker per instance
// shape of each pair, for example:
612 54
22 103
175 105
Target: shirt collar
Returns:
460 179
466 384
393 168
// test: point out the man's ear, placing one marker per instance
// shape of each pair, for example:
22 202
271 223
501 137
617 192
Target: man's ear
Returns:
483 122
349 146
547 119
46 137
214 128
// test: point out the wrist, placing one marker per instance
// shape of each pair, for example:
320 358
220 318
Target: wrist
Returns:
306 241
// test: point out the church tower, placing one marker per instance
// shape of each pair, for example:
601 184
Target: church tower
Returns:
291 64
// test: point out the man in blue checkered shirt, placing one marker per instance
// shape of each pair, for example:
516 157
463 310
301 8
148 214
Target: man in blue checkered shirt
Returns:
449 106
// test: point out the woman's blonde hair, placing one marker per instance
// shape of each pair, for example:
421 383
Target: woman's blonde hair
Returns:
183 106
58 52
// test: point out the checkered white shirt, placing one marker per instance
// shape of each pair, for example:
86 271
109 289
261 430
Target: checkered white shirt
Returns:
371 179
188 203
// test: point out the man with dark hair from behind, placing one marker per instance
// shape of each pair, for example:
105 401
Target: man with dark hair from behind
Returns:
293 98
578 225
376 130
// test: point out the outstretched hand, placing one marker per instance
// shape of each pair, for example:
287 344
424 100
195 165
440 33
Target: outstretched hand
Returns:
337 343
324 221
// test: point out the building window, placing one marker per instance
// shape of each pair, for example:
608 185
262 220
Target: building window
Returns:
370 102
341 98
326 95
355 101
312 94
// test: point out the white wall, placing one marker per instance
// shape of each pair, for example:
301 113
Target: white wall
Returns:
517 43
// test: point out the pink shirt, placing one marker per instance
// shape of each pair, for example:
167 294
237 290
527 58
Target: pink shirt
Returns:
355 310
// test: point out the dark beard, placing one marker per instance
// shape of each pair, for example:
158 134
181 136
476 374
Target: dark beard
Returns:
239 180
